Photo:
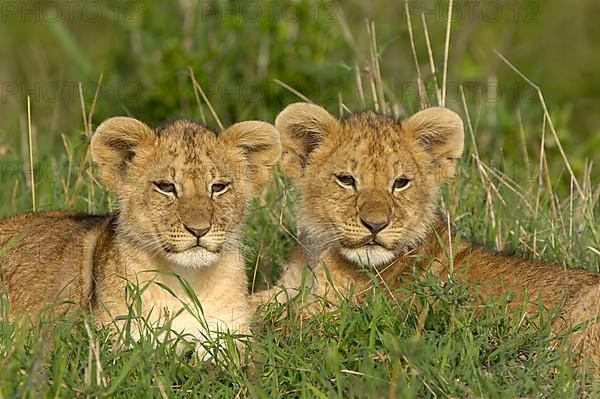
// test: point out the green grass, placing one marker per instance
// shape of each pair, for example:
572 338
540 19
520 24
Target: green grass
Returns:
430 343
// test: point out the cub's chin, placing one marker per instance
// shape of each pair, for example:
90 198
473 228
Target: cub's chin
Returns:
195 257
368 255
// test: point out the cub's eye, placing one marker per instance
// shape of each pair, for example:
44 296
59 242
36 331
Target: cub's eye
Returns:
219 188
401 183
346 180
165 187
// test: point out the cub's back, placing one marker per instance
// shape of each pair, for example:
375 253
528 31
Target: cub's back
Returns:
45 257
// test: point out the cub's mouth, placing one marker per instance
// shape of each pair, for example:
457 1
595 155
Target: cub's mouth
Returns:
197 248
200 247
368 255
192 256
367 242
367 252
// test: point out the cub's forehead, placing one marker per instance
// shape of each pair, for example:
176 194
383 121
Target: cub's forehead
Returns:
187 148
371 120
187 141
371 130
373 140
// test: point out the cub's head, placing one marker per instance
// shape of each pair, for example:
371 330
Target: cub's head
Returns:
183 190
369 185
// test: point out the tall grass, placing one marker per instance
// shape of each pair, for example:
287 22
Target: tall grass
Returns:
433 344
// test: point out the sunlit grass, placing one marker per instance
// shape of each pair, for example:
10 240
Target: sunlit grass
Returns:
431 342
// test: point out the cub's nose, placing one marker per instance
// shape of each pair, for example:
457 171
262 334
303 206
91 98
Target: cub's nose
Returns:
197 231
374 227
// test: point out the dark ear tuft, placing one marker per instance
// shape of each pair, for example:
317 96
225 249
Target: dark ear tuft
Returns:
303 127
114 144
439 131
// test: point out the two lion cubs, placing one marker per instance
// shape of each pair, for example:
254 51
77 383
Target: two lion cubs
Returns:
369 189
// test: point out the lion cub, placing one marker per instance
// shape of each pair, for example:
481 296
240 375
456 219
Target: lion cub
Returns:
369 189
183 193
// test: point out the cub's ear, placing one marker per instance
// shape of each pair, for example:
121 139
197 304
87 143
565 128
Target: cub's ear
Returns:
439 131
303 127
114 144
261 144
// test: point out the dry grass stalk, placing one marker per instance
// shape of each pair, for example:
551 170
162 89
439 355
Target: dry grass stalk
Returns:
205 98
446 49
422 92
431 61
293 91
31 169
547 117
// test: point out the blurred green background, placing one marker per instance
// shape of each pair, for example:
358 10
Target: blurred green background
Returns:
239 49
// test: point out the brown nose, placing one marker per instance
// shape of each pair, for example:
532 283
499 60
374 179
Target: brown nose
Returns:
197 232
374 227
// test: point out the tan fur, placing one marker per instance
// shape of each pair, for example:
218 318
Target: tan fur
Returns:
333 217
48 258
